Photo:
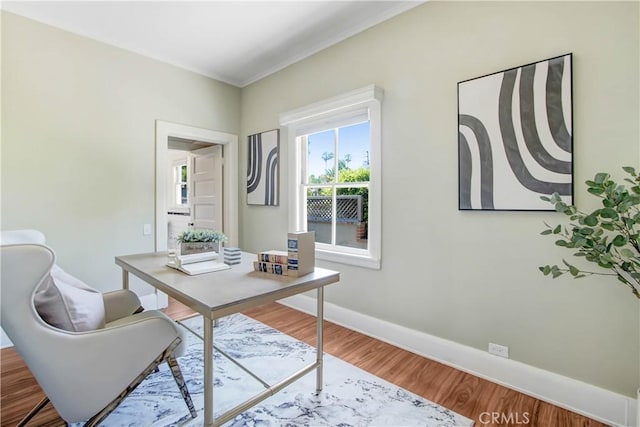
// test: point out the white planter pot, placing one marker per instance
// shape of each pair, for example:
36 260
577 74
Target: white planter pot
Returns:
188 248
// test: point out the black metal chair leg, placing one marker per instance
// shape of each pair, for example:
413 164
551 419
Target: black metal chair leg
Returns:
166 355
33 412
177 375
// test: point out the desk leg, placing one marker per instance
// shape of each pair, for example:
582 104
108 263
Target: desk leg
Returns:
208 372
320 338
125 279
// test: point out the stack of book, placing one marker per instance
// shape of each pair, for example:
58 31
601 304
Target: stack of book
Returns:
297 260
232 256
274 262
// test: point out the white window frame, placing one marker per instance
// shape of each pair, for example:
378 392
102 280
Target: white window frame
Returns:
177 183
327 114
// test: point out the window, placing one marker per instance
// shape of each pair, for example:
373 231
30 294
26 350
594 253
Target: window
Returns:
336 184
180 184
334 163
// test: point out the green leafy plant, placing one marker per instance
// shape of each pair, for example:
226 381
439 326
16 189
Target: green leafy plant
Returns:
202 236
607 236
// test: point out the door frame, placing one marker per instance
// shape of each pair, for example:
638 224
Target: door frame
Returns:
230 176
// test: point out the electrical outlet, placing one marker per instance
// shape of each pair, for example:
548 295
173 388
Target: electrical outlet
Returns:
499 350
146 230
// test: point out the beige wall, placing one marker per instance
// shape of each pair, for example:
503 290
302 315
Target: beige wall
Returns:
78 140
472 277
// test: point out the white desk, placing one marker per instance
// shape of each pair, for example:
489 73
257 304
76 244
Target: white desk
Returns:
221 293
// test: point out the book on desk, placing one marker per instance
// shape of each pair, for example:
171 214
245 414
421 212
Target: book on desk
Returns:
297 260
205 262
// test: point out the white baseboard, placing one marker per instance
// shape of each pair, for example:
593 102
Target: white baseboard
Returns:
149 301
580 397
4 340
154 301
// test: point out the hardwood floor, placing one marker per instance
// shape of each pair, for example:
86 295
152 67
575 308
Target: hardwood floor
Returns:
487 403
466 394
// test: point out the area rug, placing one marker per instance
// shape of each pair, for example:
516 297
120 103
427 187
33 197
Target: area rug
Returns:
351 396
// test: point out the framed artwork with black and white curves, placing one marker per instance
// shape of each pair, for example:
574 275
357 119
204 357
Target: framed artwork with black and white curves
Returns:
515 137
263 169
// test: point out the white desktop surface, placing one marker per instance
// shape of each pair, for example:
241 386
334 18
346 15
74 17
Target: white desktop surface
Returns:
220 293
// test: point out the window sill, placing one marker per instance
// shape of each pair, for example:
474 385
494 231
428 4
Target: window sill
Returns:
349 259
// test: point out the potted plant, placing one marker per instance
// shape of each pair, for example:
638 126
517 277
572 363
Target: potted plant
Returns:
196 241
607 236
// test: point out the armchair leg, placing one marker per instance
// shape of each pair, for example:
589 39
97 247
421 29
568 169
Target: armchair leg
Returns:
33 412
165 355
177 375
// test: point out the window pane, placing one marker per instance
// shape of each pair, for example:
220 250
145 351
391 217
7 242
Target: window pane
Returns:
319 213
320 157
183 194
354 149
183 173
352 216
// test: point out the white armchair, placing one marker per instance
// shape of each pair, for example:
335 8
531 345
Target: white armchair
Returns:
87 374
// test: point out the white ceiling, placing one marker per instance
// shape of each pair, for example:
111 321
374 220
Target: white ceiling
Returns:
238 42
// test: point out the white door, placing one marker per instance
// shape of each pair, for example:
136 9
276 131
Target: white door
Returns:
205 186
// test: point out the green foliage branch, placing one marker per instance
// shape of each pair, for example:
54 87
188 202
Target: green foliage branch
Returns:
202 236
607 236
356 175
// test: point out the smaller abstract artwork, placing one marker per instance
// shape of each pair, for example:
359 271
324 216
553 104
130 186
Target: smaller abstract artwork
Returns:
515 137
263 170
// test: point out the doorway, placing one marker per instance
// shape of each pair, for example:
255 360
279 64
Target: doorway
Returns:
186 137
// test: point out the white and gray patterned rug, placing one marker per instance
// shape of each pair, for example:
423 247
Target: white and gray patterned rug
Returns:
351 396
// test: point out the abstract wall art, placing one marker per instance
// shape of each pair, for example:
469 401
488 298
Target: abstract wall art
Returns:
515 137
263 170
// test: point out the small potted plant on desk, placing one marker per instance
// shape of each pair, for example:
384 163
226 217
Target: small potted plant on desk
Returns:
197 241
